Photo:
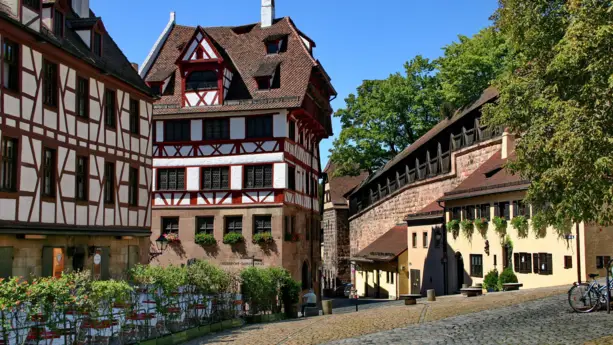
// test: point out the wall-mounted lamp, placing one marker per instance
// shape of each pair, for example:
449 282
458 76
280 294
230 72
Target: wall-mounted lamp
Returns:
161 244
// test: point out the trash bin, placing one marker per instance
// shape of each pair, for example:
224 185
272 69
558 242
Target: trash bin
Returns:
326 306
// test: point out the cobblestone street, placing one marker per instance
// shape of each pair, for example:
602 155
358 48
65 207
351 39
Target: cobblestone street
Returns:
540 316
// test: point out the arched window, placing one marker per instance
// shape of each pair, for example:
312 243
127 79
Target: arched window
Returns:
201 80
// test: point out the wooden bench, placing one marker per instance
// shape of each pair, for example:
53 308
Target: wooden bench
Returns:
511 286
472 291
410 299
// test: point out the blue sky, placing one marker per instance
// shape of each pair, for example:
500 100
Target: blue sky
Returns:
356 39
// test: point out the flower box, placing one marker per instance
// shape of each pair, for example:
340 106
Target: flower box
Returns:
172 237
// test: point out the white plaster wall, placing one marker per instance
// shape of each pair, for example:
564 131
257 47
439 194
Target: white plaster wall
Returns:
159 131
196 130
279 126
193 178
7 209
236 177
237 128
275 157
280 175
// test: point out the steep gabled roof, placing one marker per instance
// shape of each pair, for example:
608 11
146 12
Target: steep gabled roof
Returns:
112 61
244 48
489 178
341 185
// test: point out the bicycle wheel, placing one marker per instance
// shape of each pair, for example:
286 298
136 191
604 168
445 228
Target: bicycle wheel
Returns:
583 299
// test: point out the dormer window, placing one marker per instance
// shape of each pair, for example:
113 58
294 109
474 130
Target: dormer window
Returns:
156 89
268 76
58 23
97 43
276 44
273 47
201 80
32 4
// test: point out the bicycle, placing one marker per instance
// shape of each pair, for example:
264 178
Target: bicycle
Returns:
587 297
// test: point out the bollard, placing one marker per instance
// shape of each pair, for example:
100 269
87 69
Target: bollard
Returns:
431 295
326 306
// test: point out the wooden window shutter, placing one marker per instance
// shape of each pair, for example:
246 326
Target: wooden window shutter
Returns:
105 263
496 210
133 257
515 208
6 262
535 263
47 267
549 263
517 262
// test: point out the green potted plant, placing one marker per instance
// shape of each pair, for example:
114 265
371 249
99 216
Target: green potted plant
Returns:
506 277
490 282
453 227
205 240
233 238
468 228
500 226
482 225
520 223
263 238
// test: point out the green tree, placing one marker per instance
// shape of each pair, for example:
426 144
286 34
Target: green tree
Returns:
557 96
388 115
470 65
385 117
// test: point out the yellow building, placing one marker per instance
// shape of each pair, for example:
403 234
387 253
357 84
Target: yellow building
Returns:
539 259
380 268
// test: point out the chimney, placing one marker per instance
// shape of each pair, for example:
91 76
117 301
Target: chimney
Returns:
508 144
81 8
268 13
134 65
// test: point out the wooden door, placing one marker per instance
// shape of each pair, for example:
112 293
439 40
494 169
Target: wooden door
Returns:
415 282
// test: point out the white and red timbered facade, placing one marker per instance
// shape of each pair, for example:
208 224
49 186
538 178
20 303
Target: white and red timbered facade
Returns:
236 131
75 158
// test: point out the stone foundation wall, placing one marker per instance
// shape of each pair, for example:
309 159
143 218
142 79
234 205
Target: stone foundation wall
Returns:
370 224
27 254
335 260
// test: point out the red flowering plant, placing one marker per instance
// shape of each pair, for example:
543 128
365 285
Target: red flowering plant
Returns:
172 237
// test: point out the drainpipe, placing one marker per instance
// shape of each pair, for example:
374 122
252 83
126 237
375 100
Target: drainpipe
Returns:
578 254
444 244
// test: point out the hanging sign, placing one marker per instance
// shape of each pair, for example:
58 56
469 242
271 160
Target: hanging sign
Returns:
97 259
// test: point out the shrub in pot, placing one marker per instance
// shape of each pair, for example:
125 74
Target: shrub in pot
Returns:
233 238
490 282
506 277
468 228
453 227
500 226
205 240
263 238
481 224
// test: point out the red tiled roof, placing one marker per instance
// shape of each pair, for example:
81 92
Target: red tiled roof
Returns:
246 54
490 178
341 185
388 246
432 210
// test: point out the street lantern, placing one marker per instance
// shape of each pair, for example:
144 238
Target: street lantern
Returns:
161 243
438 237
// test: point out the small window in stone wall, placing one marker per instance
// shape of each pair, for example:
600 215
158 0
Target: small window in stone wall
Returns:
602 261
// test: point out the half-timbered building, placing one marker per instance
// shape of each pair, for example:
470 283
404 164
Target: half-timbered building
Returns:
75 158
236 143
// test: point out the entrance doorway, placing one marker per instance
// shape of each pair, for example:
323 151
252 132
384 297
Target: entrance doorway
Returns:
306 283
460 269
365 283
415 284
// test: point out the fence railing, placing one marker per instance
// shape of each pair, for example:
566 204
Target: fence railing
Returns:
147 315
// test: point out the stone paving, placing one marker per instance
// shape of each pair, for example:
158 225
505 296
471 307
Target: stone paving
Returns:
545 321
539 316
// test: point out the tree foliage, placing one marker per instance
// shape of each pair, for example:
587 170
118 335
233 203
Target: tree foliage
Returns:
385 117
557 96
388 115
